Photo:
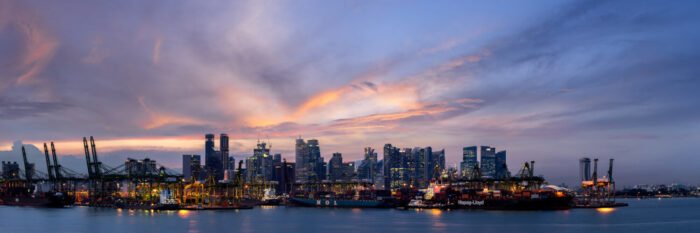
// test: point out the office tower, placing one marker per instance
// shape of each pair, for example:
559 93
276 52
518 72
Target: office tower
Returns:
301 154
223 148
277 158
284 175
349 171
144 167
501 167
469 161
309 166
438 162
212 158
368 168
584 168
397 167
231 163
335 167
488 161
190 166
260 165
391 160
10 170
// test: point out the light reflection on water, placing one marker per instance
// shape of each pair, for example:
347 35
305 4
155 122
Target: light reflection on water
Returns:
641 216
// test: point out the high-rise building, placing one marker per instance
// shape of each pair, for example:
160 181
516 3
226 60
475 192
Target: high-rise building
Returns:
469 163
284 175
212 157
143 167
335 167
190 166
438 162
10 170
301 154
223 151
368 168
584 168
501 167
277 158
488 162
260 165
349 171
392 167
310 166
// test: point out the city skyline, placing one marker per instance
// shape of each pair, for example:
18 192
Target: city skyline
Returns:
551 81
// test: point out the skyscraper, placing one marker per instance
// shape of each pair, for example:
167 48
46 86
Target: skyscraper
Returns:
309 163
212 158
260 165
190 166
437 162
301 154
488 162
584 168
335 167
501 167
469 160
368 168
223 148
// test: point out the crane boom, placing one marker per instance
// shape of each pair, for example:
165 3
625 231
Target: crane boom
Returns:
49 168
27 169
87 158
95 162
56 166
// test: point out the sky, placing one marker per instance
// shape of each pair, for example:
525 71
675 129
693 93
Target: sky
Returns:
549 81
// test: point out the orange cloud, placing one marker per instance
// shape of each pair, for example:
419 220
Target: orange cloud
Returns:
160 119
320 100
395 116
40 46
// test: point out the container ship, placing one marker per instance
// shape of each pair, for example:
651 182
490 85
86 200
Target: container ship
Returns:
357 199
445 197
21 194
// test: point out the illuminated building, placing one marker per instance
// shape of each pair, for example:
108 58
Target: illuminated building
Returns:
223 151
190 166
260 165
212 157
335 167
584 168
140 167
469 161
501 167
309 163
488 162
368 168
10 170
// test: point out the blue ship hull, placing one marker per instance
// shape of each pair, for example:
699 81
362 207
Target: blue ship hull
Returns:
341 203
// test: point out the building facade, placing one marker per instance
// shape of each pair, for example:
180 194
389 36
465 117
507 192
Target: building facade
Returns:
469 163
191 165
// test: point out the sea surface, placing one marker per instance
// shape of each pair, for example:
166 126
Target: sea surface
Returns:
646 215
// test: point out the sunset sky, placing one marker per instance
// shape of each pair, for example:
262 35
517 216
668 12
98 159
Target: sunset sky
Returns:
549 81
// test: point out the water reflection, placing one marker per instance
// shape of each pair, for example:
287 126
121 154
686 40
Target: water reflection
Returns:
605 210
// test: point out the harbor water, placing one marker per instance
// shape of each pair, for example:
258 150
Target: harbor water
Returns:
646 215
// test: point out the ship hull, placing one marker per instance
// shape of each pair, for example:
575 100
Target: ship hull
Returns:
339 203
556 203
49 201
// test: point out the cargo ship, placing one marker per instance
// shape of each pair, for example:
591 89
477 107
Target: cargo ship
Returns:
443 197
361 199
19 194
